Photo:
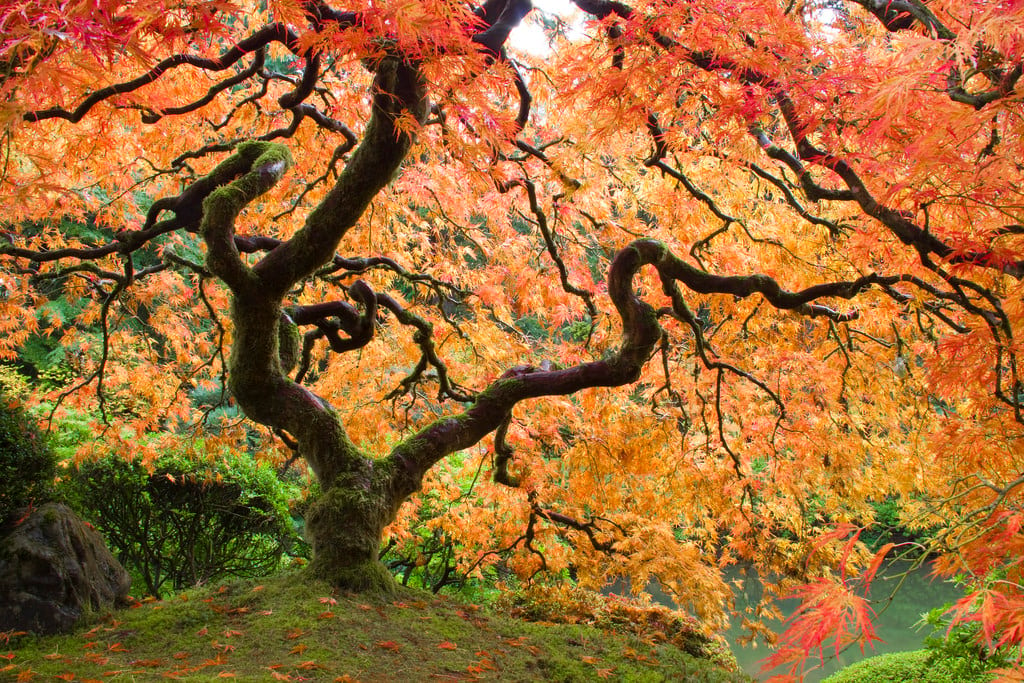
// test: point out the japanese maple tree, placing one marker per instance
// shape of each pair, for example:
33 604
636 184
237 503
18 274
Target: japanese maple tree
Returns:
691 284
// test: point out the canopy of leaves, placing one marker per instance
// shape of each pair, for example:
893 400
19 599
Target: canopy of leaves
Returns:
835 191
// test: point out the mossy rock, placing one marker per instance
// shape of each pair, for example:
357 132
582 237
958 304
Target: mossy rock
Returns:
54 569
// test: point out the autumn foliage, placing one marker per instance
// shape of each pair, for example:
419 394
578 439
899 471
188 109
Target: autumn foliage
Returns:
686 285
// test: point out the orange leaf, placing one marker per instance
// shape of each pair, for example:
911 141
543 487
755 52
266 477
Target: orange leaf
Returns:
447 645
388 645
147 662
876 562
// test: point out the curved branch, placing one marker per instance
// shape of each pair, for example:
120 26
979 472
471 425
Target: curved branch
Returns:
304 89
503 454
151 116
509 13
641 334
272 33
252 170
549 243
904 15
591 527
399 90
424 338
333 316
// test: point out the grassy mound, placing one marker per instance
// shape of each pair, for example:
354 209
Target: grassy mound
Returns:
292 628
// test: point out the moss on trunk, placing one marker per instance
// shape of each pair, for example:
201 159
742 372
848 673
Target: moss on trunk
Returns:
345 526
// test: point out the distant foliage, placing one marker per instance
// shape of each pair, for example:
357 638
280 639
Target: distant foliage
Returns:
26 463
12 383
186 522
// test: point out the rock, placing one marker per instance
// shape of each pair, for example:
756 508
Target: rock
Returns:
53 569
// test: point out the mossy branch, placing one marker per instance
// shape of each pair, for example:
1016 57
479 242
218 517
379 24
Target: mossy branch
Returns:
399 91
251 171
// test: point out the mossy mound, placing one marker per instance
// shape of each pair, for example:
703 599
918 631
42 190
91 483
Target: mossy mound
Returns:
297 628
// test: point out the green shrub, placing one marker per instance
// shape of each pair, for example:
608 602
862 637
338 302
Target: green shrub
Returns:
27 465
950 654
901 667
959 648
185 522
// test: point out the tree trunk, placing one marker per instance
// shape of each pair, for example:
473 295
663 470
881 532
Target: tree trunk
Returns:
345 526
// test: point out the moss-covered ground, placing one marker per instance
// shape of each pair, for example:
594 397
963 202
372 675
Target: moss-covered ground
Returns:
290 627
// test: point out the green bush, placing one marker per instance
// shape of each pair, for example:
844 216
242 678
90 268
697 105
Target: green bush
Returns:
185 522
950 654
960 649
901 667
27 465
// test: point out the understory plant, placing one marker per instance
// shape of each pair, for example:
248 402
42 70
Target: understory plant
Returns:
180 521
26 463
